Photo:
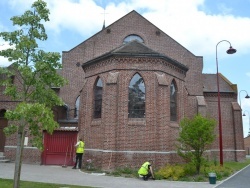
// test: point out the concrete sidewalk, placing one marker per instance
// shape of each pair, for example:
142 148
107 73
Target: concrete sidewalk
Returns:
59 175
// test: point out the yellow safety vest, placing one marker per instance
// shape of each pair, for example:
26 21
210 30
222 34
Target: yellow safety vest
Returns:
144 169
80 147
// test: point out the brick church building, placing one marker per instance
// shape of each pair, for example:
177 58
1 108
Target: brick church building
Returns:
129 86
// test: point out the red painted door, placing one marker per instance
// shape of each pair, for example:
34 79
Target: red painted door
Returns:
59 148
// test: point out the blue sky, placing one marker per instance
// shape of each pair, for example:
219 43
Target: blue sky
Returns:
198 25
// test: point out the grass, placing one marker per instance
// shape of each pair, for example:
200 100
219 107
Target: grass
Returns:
7 183
237 165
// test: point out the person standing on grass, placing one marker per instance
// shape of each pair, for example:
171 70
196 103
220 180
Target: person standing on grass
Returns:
146 171
79 153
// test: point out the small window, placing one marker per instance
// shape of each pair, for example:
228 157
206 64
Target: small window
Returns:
98 98
173 102
130 38
136 104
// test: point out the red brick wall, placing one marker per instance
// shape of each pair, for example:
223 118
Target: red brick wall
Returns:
232 132
247 145
120 139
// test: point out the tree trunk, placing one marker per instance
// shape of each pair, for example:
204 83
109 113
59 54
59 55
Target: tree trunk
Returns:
19 152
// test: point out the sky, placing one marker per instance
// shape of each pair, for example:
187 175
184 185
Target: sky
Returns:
198 25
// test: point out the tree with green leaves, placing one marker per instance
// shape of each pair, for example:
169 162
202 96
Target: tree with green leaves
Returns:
35 73
195 137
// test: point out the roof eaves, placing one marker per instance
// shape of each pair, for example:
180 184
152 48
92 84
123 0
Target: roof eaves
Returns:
153 55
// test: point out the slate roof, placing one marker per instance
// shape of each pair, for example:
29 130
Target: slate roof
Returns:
135 49
210 84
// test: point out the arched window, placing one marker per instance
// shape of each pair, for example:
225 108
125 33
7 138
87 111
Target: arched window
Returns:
98 98
132 37
136 104
77 105
173 101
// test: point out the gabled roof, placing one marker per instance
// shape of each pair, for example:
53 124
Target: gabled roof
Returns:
114 23
135 49
210 84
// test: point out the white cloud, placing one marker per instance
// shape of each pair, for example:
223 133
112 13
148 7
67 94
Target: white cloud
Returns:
180 19
185 21
4 61
82 17
192 28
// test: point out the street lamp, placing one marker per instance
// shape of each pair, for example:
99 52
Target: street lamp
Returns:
248 120
229 51
247 96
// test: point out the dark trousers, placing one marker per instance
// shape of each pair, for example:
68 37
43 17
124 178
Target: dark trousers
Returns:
78 160
145 177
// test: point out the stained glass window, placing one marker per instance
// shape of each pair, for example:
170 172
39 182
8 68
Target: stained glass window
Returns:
173 102
136 104
98 99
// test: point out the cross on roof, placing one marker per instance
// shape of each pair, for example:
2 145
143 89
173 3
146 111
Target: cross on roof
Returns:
104 14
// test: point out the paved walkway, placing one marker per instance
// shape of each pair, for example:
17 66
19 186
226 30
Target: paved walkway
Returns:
57 174
238 180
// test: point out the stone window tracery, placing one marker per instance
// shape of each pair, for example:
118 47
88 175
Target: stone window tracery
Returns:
137 96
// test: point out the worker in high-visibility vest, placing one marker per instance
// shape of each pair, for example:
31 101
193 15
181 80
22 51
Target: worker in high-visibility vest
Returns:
79 153
146 171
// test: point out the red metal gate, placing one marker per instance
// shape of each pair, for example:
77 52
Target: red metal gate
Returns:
59 148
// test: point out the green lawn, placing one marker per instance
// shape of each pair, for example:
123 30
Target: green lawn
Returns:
237 165
6 183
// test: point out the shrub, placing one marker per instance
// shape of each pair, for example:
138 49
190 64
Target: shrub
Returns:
221 171
173 172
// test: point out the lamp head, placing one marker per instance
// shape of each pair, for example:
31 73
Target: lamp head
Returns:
244 114
231 50
247 97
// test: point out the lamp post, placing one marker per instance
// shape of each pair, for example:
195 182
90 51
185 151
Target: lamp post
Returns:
229 51
247 96
248 120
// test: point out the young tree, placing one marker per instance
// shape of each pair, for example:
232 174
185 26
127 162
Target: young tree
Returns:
34 71
194 138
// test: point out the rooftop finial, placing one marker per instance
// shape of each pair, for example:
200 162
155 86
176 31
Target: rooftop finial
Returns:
104 13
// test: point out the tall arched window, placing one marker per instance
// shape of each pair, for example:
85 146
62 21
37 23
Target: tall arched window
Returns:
136 104
77 105
173 101
98 98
